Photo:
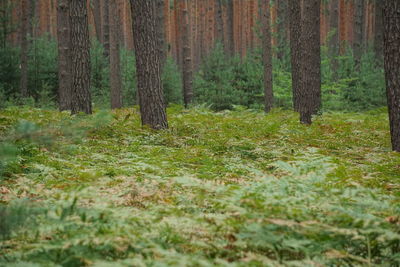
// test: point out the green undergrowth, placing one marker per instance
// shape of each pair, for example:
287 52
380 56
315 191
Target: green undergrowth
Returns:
235 188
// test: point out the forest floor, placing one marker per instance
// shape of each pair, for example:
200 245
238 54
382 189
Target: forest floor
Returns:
236 188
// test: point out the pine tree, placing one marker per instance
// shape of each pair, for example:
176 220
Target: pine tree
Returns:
187 57
358 45
391 22
64 55
267 54
152 107
115 68
80 55
334 37
296 51
310 96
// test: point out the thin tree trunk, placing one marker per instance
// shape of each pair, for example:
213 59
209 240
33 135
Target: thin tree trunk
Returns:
310 100
152 107
64 55
230 41
334 38
378 39
187 57
97 18
358 32
106 28
391 22
281 27
220 23
25 25
296 51
115 68
267 54
80 54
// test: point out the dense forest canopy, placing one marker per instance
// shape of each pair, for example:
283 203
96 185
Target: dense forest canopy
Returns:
199 133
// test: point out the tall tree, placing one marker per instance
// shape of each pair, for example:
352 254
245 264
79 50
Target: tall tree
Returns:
64 55
161 43
152 107
358 44
6 21
378 38
282 7
96 10
334 37
391 21
80 55
187 56
115 67
267 53
296 51
25 29
106 27
220 22
230 41
310 96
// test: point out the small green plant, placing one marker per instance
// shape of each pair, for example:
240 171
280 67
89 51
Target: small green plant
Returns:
15 216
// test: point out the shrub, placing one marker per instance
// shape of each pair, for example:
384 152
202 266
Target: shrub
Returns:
172 82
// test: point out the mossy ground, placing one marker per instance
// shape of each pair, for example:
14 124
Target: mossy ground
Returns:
235 188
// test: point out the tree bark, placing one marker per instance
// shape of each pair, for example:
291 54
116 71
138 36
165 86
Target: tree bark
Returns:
220 23
26 17
281 27
391 22
152 107
115 68
97 18
334 38
267 54
358 32
378 38
106 28
64 55
80 54
162 48
187 57
230 41
296 51
310 97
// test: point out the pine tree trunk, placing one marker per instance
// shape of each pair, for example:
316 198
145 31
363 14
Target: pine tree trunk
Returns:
187 57
97 18
24 30
230 41
80 55
152 107
115 68
378 39
106 28
310 97
282 27
358 32
64 55
391 22
296 51
334 38
267 54
220 22
162 48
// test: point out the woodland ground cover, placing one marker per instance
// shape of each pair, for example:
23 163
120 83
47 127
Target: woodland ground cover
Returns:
234 188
